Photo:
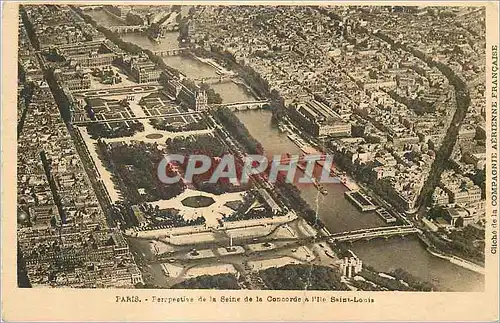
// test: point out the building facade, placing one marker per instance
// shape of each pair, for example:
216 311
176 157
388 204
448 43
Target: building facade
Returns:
319 120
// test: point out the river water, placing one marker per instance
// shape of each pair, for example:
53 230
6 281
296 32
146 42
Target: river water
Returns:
102 18
334 209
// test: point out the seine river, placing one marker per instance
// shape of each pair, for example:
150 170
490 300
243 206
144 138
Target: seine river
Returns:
334 209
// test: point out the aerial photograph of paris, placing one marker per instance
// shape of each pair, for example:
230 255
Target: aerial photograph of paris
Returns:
257 147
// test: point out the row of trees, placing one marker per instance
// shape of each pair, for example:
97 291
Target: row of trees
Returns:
100 130
220 281
29 28
384 282
162 124
239 131
24 100
467 242
184 25
403 281
411 280
212 96
460 247
302 277
193 145
47 162
133 19
22 273
170 217
290 193
472 237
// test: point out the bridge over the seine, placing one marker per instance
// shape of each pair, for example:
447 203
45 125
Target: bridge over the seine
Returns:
127 29
379 232
222 78
170 52
362 234
91 7
244 105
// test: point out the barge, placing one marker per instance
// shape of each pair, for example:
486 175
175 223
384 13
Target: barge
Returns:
361 201
385 215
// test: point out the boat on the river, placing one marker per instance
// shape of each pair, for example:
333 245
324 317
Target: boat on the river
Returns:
385 215
361 200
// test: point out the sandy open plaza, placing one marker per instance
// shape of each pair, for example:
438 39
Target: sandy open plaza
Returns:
212 213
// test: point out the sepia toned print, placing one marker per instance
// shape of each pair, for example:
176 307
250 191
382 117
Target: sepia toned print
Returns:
340 153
